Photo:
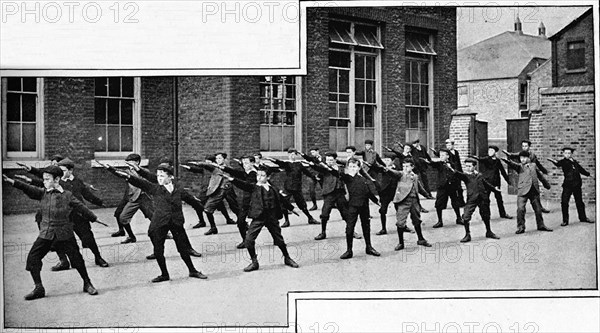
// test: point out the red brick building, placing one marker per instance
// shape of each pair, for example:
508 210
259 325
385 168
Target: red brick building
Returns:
386 74
567 114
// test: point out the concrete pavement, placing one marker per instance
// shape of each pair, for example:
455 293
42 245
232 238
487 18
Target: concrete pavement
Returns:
563 259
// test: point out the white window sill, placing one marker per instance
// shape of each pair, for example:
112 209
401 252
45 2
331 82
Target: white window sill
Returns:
117 163
12 164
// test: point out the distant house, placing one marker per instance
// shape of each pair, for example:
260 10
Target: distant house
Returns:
493 77
573 53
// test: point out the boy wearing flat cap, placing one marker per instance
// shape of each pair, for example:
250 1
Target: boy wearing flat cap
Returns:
333 190
265 211
447 185
81 191
198 207
81 226
571 185
526 146
528 188
419 151
371 157
168 216
56 227
406 201
134 199
477 197
491 168
293 182
387 186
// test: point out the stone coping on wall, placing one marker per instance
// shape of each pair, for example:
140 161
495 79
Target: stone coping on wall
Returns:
567 90
463 112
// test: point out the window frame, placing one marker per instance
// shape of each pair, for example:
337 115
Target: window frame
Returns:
583 68
523 96
137 125
297 120
466 98
38 154
429 59
354 51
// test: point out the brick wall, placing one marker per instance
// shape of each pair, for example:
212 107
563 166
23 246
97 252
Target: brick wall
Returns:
245 124
566 119
69 128
315 90
157 117
204 121
445 78
583 30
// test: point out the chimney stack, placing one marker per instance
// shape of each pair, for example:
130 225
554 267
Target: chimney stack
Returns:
542 30
518 26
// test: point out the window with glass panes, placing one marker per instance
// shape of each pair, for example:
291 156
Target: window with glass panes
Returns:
576 55
417 99
278 112
114 114
418 81
354 51
22 115
523 95
339 99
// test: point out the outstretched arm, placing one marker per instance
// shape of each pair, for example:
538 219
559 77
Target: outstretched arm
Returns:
32 192
581 169
555 162
541 167
422 190
192 168
192 201
280 163
435 152
543 179
512 165
207 166
89 196
234 172
241 184
139 182
503 172
490 186
146 174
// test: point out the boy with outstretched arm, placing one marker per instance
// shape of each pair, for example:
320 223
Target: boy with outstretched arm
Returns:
406 201
359 192
447 184
528 188
333 191
571 185
168 216
477 197
265 211
56 227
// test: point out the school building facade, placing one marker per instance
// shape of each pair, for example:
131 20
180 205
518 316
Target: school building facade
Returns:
386 74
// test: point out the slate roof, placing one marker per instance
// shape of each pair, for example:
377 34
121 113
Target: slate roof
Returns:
501 56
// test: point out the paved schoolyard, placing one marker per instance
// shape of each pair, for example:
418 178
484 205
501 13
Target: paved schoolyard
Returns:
563 259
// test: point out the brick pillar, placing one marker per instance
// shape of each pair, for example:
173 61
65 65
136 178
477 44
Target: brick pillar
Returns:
462 131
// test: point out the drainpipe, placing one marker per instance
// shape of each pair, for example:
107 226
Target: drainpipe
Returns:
175 142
